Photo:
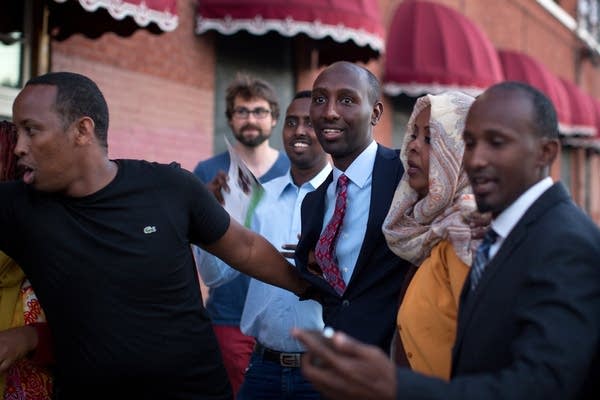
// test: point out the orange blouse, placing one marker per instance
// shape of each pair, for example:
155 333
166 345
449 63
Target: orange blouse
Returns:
427 316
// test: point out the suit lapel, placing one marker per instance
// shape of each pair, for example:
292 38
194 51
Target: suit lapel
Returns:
469 301
317 211
313 213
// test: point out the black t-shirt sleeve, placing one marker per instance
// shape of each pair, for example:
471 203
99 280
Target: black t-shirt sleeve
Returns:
208 220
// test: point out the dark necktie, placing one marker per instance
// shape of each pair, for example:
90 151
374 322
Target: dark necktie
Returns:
482 257
325 250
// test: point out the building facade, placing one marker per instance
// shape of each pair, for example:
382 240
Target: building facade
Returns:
164 64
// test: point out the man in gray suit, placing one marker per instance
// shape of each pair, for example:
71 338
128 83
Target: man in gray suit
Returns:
529 315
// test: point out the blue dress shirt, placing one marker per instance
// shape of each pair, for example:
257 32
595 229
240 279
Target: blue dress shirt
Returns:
354 226
270 312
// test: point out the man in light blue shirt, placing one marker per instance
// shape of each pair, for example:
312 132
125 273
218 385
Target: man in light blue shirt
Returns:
252 112
270 312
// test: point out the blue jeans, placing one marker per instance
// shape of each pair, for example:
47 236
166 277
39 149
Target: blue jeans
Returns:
266 380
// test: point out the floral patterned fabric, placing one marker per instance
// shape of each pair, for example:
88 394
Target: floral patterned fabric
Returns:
25 380
413 227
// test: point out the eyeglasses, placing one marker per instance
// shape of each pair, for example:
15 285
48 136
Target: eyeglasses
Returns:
244 113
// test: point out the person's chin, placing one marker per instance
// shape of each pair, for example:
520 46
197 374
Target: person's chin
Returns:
40 188
254 142
334 147
301 162
484 204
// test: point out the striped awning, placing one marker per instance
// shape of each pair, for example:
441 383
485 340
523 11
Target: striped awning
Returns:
342 21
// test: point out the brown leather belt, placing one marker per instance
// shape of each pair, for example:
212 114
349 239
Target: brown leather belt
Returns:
289 360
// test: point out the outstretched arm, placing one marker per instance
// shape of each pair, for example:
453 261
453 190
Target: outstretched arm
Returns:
253 255
213 271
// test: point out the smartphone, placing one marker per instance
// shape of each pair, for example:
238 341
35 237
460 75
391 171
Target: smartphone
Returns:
324 337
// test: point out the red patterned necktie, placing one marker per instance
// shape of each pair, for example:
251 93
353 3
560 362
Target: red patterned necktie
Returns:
325 250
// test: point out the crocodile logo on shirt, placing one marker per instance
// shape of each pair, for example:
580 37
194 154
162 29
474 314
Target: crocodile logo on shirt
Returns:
149 229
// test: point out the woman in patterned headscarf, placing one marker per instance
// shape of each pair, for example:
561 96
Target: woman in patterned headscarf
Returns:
425 226
22 326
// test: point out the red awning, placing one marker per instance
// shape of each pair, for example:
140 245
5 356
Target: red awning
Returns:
583 112
597 108
122 17
588 142
520 67
341 20
432 48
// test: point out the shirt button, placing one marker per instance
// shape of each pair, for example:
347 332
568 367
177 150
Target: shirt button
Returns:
345 303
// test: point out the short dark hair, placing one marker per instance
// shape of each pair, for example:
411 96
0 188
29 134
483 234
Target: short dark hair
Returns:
374 87
77 96
248 87
303 94
544 117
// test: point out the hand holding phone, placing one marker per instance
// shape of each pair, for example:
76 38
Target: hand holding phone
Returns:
324 337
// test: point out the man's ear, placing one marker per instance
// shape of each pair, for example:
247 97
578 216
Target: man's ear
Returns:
377 112
549 150
85 130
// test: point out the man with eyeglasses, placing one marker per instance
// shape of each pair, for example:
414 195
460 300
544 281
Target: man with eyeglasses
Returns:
252 111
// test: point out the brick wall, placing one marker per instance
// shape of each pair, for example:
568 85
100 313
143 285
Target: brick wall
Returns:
159 88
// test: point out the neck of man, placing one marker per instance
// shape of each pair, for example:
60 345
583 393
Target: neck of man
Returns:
98 172
258 159
302 175
343 161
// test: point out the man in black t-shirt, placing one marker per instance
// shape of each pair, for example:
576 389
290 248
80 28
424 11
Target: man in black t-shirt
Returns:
106 245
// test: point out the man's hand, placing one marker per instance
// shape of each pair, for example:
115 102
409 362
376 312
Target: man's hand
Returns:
346 368
289 250
478 222
218 184
312 265
16 343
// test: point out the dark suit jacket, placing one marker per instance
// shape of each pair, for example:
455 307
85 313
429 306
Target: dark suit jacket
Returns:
531 329
367 310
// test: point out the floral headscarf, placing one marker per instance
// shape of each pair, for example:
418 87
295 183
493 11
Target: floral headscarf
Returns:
413 227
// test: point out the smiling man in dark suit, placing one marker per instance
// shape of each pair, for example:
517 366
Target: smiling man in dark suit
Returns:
357 275
529 320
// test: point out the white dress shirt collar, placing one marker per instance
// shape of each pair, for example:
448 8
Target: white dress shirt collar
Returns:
361 168
507 219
